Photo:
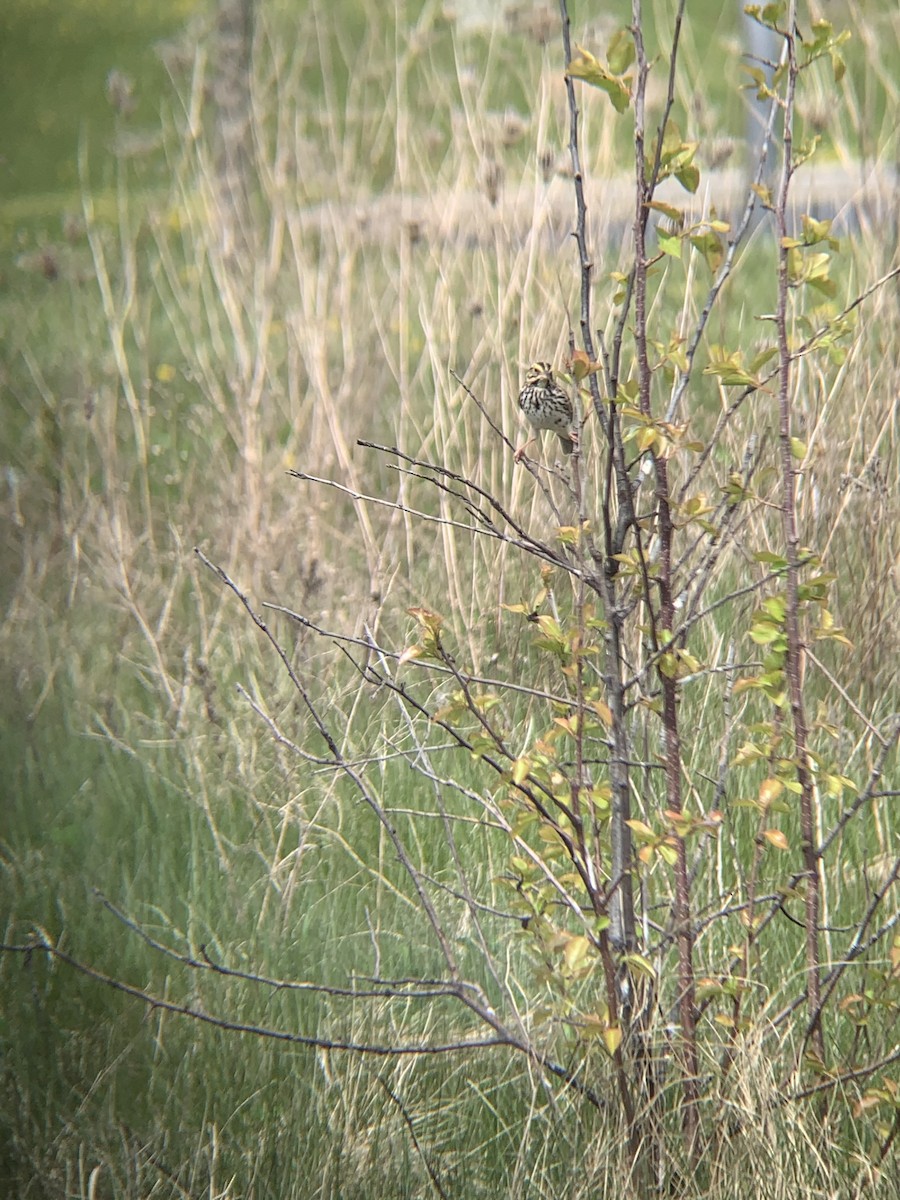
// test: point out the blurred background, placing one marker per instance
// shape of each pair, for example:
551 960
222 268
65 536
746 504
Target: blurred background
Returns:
235 238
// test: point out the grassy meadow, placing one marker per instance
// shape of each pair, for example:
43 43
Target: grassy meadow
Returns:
173 346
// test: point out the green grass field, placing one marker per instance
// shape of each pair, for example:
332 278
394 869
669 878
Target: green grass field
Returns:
168 357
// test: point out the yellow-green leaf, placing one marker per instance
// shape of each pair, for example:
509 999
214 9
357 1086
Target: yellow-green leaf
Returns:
550 627
591 71
764 192
668 854
521 770
620 52
576 951
776 838
709 244
689 178
670 244
612 1038
674 214
640 963
770 789
641 830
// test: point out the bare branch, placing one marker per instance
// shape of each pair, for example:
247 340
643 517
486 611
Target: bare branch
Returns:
261 1031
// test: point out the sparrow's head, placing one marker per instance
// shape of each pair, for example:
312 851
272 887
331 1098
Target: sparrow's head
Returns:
539 373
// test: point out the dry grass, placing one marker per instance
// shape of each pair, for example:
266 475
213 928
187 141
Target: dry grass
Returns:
190 352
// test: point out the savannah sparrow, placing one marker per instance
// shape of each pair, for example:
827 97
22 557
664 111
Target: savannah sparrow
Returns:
546 406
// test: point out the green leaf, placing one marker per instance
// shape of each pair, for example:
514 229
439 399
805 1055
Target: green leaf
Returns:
521 770
759 360
775 607
668 854
814 231
764 633
550 628
764 192
767 14
628 390
689 661
576 951
824 285
669 244
711 246
620 52
728 367
674 213
612 1038
757 74
774 560
668 665
676 157
822 33
641 830
689 177
590 70
428 620
640 963
805 151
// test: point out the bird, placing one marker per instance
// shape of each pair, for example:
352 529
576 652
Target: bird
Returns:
546 406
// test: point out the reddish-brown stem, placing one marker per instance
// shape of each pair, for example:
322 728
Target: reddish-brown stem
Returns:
665 620
621 907
794 665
